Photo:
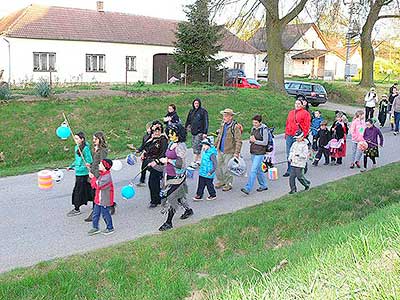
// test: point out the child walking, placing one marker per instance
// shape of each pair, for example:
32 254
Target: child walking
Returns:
357 128
104 198
82 192
371 135
207 171
322 139
339 131
298 159
315 126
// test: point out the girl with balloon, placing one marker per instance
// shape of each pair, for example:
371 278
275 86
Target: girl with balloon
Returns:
357 128
82 192
176 189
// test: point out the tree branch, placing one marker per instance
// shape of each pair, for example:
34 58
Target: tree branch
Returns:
388 16
294 12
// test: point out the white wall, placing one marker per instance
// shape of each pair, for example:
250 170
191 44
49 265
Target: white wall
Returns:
305 42
4 58
71 60
249 60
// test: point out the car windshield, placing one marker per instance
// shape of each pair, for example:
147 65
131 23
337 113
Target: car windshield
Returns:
319 89
294 85
252 81
306 87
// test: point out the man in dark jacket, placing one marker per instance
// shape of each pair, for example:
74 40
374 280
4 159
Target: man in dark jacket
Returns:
197 123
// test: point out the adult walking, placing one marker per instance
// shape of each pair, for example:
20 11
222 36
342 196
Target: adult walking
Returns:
370 103
154 150
297 119
259 138
100 152
197 124
392 94
396 112
228 144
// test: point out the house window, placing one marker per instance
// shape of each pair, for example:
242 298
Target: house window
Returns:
95 62
313 44
44 61
238 65
131 63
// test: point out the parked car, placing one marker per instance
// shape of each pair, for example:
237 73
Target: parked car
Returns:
314 93
233 73
243 82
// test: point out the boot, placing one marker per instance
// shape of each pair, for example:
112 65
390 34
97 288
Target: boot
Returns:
168 224
90 217
187 214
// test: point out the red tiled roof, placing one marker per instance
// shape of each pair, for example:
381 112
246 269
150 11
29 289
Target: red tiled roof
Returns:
63 23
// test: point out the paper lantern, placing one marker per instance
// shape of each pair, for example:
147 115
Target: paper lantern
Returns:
264 167
117 165
131 159
362 146
273 174
57 175
45 180
63 132
128 192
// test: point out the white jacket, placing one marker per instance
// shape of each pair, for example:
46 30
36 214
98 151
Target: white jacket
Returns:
370 99
299 154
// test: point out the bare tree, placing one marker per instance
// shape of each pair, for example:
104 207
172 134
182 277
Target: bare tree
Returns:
367 51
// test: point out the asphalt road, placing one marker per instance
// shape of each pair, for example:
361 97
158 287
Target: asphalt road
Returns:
34 226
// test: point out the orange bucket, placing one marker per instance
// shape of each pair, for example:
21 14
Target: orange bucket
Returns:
45 181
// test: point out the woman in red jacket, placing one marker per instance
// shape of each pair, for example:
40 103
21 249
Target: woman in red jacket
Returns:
298 119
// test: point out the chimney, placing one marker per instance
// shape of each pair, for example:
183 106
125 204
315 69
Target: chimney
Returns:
100 6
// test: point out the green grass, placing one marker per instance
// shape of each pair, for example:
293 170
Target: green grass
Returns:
29 141
340 240
31 90
194 87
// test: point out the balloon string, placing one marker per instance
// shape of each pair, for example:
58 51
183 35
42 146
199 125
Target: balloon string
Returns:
72 132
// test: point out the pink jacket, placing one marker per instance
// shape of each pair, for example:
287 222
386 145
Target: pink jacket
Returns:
357 128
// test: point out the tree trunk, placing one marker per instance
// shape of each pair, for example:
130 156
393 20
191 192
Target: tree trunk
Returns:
275 54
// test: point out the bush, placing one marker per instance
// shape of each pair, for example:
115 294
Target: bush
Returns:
5 92
43 88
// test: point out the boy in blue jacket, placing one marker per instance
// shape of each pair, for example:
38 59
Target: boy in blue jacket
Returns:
315 125
207 169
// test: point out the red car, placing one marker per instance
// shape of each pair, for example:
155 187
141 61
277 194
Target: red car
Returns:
243 82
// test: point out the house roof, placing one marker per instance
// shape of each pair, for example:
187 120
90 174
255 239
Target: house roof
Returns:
290 35
310 54
340 50
62 23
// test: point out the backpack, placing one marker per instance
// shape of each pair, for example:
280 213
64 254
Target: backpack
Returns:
270 145
234 124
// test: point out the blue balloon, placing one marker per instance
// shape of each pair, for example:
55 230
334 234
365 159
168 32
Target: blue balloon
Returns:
131 159
128 192
63 132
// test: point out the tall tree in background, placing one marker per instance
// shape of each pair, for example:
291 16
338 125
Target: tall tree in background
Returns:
198 40
367 51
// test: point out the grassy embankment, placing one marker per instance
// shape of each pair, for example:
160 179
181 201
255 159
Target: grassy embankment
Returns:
337 241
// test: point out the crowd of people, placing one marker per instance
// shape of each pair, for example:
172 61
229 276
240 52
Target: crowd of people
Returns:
163 153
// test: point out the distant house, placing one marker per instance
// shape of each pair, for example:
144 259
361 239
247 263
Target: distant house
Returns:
308 52
80 45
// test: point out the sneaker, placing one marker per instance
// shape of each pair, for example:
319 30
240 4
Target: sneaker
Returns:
165 226
219 185
153 205
227 188
197 198
315 163
326 163
73 213
287 174
107 231
243 190
363 170
396 133
352 166
93 231
211 198
187 214
90 217
262 189
140 184
307 188
292 192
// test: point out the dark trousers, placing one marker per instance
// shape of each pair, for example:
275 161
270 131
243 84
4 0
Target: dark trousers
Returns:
366 161
205 182
369 113
154 186
396 121
296 172
325 152
103 211
143 174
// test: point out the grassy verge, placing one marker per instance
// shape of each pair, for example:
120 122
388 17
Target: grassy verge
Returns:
29 142
338 240
194 87
31 90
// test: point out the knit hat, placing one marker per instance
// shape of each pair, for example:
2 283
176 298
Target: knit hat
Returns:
299 134
107 163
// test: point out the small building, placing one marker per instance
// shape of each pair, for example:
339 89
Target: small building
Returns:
79 45
308 52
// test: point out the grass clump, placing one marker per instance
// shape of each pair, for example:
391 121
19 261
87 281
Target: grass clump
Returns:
43 88
5 92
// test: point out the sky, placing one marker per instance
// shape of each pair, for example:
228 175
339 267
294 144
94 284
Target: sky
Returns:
169 9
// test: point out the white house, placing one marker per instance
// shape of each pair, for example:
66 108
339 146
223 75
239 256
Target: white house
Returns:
308 52
80 45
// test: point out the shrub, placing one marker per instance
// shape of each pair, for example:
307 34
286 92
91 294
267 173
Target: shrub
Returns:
43 88
5 92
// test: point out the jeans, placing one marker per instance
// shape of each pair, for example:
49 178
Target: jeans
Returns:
298 173
155 186
222 172
396 120
205 182
355 153
369 113
256 172
289 143
103 211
